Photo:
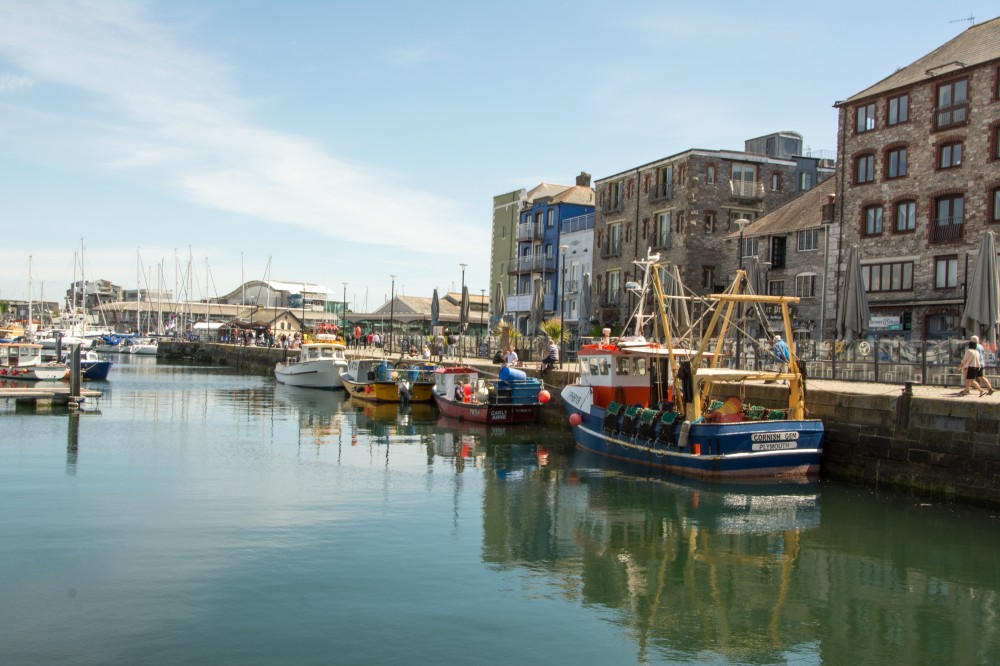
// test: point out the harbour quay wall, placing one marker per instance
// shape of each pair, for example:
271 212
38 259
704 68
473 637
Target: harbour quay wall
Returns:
250 359
925 440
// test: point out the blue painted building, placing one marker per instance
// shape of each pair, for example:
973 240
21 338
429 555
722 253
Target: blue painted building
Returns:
539 261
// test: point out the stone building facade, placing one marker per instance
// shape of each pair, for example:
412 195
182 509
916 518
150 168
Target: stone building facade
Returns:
797 248
919 182
683 207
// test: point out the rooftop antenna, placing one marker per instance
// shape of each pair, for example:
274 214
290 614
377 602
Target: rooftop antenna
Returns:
970 18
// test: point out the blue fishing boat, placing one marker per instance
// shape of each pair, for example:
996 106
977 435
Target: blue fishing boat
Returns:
93 367
679 409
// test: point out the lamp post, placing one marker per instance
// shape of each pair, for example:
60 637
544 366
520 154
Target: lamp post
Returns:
344 330
461 333
392 309
482 309
562 305
741 222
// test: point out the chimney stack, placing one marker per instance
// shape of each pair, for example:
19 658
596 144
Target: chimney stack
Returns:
583 180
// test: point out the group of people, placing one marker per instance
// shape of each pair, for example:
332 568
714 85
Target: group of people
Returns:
359 339
509 357
973 367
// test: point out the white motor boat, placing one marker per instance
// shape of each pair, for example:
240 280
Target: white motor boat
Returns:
143 347
319 365
23 360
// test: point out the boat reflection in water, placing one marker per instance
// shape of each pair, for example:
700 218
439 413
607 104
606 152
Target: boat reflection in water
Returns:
692 567
321 414
391 420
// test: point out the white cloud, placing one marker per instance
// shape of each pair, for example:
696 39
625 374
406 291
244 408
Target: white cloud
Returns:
176 119
14 83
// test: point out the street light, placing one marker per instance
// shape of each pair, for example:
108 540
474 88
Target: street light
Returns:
392 309
482 309
461 333
344 330
562 306
741 222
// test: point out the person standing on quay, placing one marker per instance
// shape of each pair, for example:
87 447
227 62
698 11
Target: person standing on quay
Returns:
439 343
781 354
982 365
970 367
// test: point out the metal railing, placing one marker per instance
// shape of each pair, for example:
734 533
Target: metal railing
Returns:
745 189
610 297
946 229
662 192
578 223
876 359
662 240
611 249
531 231
613 206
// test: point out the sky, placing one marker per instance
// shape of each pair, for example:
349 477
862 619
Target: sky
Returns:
197 143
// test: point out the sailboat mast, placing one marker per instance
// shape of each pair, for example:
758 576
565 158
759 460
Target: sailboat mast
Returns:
138 288
159 299
72 304
29 329
83 298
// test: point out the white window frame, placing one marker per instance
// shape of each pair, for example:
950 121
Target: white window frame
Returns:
805 285
807 240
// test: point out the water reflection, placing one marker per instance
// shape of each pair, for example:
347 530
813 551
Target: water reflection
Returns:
204 480
72 443
750 572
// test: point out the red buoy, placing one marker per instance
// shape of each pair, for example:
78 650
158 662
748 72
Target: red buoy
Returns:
575 419
543 396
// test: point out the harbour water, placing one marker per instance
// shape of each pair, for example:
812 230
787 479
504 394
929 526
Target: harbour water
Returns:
196 515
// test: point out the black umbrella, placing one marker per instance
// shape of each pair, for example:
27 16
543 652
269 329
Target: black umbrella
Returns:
435 309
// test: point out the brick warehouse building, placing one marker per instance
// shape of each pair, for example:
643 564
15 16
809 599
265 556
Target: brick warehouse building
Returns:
919 182
684 207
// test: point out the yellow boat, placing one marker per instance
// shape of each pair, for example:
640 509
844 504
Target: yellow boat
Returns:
375 380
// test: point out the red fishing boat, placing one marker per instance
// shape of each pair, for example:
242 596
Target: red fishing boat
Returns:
513 398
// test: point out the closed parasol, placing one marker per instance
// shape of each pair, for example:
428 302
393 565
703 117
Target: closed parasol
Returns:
981 315
537 306
499 303
852 312
463 313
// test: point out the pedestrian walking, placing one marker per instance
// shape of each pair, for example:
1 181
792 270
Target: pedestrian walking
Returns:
970 367
982 366
781 354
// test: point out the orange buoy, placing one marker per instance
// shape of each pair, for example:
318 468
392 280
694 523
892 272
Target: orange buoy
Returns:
696 449
575 419
544 396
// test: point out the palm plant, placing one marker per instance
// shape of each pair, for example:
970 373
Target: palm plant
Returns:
554 329
508 334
